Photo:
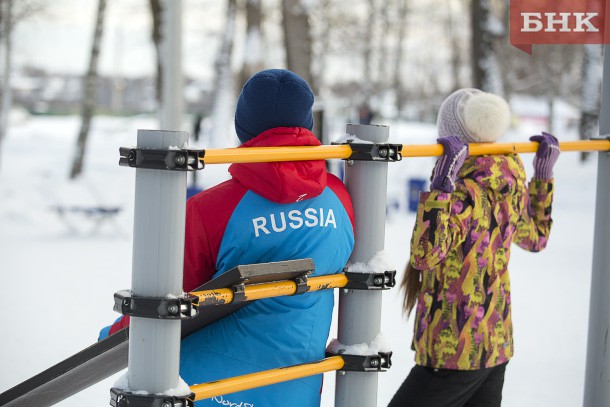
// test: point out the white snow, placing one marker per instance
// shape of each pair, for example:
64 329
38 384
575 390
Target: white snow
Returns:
377 264
378 344
350 138
181 389
57 281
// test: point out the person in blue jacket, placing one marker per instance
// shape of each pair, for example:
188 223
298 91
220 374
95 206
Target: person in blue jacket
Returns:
267 212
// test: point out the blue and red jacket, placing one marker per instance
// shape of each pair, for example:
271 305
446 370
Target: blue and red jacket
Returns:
267 212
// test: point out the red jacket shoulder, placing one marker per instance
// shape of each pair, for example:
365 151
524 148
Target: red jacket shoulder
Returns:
207 215
338 187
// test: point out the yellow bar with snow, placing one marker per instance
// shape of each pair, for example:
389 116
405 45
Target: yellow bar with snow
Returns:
268 290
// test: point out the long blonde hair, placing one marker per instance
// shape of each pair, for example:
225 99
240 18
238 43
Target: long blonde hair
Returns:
411 284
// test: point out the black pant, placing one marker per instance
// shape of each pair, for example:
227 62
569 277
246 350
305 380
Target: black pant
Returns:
428 387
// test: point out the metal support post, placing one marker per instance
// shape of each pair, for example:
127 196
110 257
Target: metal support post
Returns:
597 375
360 310
173 83
158 255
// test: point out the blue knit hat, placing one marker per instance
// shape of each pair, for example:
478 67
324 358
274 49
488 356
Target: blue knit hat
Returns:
273 98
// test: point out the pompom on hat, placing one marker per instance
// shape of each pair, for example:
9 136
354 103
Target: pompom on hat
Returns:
273 98
474 116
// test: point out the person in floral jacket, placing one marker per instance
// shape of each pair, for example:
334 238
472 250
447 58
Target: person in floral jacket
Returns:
457 277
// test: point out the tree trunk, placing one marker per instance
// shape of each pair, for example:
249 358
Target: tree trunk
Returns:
253 52
485 68
590 97
90 83
156 9
323 39
298 44
456 52
383 44
367 56
398 63
297 40
222 93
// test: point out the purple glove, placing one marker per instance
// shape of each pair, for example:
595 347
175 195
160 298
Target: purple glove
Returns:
449 164
546 156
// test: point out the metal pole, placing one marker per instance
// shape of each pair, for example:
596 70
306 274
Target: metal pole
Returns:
158 255
597 376
360 311
173 84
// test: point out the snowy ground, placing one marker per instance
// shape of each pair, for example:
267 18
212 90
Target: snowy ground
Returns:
58 276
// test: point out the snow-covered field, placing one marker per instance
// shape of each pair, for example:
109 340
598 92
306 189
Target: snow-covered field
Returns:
58 275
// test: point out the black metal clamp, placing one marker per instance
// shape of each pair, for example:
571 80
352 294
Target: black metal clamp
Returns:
370 281
301 282
374 152
379 362
159 159
124 398
155 307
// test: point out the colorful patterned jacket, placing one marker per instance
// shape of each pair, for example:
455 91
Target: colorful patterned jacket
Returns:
461 243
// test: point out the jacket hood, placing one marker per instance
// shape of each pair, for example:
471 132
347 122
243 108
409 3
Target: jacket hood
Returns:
499 175
283 182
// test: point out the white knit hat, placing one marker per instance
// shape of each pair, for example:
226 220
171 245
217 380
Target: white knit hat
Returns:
474 116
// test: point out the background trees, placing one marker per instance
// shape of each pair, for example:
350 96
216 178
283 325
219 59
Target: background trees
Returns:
399 58
11 14
88 103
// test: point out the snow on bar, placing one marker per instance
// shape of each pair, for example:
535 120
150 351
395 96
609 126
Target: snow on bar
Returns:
379 344
378 264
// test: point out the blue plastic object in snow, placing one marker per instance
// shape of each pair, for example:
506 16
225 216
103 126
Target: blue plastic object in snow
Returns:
415 186
190 191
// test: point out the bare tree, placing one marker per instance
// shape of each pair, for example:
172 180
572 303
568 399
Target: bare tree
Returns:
367 55
485 67
90 82
299 49
384 40
223 83
556 70
457 48
398 61
11 13
156 10
336 29
297 39
253 55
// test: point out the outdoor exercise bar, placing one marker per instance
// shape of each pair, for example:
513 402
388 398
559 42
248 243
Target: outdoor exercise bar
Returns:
265 378
344 151
360 311
267 290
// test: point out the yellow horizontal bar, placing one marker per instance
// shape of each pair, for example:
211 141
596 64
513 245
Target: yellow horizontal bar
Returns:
217 296
266 154
301 153
268 290
265 378
505 148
